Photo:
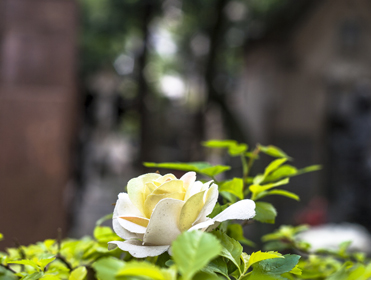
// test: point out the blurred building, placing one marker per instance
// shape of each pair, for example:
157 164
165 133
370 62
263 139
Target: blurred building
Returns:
306 89
37 116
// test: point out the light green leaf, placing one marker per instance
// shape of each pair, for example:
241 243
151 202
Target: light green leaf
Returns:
257 189
103 219
234 186
278 192
214 170
273 151
193 250
245 262
234 148
45 259
273 166
231 248
105 234
143 269
309 169
265 212
281 172
1 236
199 167
7 275
237 149
26 262
219 143
78 273
106 268
235 231
259 256
33 276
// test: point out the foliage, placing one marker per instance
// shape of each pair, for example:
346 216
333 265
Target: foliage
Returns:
217 254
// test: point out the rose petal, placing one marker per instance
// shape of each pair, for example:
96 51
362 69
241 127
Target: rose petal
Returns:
165 178
136 249
125 207
191 210
172 186
210 199
244 209
193 189
136 189
121 231
163 228
130 226
152 200
189 178
137 220
202 225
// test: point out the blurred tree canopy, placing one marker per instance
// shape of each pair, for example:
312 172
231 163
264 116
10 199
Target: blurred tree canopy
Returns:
174 60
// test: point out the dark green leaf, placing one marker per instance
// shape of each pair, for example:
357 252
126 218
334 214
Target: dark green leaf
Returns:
279 265
193 250
231 248
217 210
265 212
218 265
235 231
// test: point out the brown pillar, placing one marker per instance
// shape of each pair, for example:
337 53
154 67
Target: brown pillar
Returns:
37 111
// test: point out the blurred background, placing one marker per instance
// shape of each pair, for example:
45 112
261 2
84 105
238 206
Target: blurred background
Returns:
89 89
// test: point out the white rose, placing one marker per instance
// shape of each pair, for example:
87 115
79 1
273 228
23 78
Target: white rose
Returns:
158 208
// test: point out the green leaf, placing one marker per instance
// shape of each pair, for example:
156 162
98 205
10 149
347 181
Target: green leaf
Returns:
1 236
26 262
257 189
309 169
273 166
281 172
193 250
214 170
33 276
265 212
105 234
278 192
235 231
273 151
199 167
103 219
259 256
7 274
217 210
231 248
279 265
143 269
78 273
106 268
237 149
205 274
234 149
217 265
45 259
234 186
219 143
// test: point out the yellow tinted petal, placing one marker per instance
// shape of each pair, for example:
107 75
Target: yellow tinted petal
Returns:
149 188
152 200
191 210
173 186
137 220
166 177
136 188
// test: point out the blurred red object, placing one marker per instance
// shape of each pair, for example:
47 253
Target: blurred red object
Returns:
315 213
